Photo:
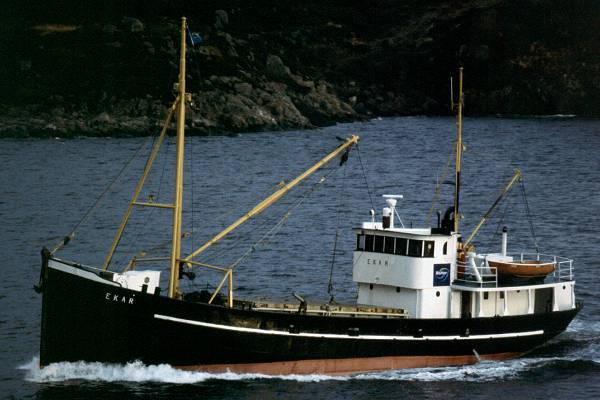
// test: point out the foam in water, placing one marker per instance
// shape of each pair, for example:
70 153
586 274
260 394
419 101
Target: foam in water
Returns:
138 372
480 372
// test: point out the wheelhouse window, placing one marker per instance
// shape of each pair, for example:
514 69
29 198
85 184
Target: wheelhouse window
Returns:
360 242
401 245
429 248
369 242
389 245
415 248
398 246
379 244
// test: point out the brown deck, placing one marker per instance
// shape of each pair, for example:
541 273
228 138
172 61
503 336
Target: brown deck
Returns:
332 310
346 366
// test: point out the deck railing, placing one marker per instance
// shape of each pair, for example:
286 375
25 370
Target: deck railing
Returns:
564 266
482 275
469 273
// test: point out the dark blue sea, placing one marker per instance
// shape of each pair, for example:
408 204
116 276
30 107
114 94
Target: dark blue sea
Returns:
48 185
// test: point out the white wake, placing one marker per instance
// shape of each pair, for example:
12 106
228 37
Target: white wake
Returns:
138 372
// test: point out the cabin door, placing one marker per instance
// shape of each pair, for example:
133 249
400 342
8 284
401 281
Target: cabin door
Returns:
544 298
465 304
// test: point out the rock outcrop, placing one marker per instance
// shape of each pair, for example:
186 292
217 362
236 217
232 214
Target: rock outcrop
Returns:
281 65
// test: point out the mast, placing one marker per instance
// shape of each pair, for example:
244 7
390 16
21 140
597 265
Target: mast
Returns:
458 149
178 192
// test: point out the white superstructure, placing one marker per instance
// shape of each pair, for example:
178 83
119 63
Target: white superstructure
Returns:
421 271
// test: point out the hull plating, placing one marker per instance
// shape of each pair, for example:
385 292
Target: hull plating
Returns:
92 320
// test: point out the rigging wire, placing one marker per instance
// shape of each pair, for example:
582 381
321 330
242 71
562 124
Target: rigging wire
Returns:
365 176
529 219
191 168
71 235
507 205
264 237
191 179
438 186
256 198
273 231
500 221
131 245
230 243
245 236
196 63
335 241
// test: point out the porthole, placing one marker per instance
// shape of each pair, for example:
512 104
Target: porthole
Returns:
397 289
564 287
371 286
437 294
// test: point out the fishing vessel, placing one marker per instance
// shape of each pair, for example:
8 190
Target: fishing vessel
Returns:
425 296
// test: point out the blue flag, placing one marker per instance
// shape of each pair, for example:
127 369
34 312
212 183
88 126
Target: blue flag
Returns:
195 38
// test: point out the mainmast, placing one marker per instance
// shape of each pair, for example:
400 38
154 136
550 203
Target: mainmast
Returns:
178 192
458 149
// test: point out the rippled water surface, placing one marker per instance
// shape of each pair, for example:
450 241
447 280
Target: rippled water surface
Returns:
46 187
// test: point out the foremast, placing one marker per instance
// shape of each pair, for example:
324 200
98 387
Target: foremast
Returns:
178 192
175 259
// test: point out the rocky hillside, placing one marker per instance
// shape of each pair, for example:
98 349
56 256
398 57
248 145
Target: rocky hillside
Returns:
108 67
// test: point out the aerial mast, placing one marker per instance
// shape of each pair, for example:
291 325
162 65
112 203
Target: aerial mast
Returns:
458 149
178 193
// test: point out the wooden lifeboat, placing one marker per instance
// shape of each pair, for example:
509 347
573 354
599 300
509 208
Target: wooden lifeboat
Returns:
523 269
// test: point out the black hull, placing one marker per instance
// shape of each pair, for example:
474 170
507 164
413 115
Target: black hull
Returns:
89 320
